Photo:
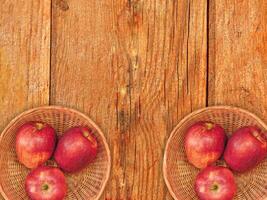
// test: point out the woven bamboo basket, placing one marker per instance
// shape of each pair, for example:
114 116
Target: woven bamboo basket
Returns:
179 175
86 184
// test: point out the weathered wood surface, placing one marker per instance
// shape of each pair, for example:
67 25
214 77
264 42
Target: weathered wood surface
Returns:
135 67
238 55
24 56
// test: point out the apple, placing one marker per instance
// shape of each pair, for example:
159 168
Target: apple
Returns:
204 143
215 183
35 143
246 148
76 149
46 183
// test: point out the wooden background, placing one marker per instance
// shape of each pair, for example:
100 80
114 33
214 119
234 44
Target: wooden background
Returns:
136 67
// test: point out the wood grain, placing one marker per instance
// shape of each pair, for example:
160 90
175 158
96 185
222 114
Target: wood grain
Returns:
136 68
238 54
24 56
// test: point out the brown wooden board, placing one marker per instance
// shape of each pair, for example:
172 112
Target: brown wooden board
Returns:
238 55
24 56
136 68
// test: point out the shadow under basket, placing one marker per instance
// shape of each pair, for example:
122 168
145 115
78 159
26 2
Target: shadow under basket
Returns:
86 184
179 175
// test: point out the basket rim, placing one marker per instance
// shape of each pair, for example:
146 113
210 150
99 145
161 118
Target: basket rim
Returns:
55 107
185 119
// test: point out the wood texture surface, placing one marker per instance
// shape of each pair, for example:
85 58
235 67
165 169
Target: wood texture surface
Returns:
24 56
136 68
238 55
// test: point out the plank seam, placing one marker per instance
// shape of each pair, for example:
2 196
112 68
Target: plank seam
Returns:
207 73
50 56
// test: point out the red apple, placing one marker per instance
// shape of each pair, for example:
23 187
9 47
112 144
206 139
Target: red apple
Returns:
76 149
215 183
46 183
204 143
246 148
35 143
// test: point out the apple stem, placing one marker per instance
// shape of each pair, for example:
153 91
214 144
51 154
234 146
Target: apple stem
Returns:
85 133
39 126
45 187
214 187
209 125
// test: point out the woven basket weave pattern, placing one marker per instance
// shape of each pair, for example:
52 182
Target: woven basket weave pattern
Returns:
87 184
180 175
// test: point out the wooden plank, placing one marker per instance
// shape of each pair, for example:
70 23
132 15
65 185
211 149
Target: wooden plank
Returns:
136 68
238 54
24 56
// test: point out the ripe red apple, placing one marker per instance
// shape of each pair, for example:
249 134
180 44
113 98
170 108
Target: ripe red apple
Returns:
204 143
246 148
46 183
215 183
35 143
76 149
